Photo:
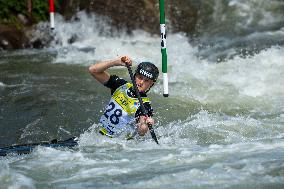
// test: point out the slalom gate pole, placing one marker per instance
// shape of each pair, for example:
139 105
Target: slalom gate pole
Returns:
163 47
51 13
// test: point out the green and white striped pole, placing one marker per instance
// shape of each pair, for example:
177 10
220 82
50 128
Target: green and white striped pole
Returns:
163 47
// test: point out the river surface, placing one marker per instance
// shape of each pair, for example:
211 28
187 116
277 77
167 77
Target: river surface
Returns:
221 127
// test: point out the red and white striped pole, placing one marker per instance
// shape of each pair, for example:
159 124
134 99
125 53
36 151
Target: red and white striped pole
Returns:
51 13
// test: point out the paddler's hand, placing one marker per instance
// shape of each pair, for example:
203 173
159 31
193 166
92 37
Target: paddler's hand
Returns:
125 60
143 124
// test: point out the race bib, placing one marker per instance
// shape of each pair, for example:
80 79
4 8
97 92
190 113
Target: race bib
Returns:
120 111
115 118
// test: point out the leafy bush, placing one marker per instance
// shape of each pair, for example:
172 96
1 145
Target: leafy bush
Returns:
11 8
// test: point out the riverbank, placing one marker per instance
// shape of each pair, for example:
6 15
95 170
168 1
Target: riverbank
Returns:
19 29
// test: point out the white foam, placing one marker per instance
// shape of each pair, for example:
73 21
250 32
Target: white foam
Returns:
218 128
2 84
89 36
254 82
11 178
255 76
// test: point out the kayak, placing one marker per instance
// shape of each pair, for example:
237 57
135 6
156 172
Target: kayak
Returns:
28 148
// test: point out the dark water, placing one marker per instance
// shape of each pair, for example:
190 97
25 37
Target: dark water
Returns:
39 100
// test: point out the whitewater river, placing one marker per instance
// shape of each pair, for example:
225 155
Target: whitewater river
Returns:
221 127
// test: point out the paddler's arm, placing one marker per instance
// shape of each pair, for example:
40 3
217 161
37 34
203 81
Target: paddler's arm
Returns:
99 72
143 124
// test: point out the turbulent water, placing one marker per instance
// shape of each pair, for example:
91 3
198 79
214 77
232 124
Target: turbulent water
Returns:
221 127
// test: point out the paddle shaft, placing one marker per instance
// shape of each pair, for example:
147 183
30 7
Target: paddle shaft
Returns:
141 103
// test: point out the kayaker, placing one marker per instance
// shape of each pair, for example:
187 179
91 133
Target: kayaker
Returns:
123 112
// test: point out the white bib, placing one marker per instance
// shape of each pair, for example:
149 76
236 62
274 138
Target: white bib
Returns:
120 111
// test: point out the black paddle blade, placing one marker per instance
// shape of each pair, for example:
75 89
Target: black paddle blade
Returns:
28 148
152 132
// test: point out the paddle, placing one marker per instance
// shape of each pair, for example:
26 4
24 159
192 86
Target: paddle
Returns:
27 148
141 103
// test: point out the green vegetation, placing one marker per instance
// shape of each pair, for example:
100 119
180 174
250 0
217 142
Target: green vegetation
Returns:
40 10
10 9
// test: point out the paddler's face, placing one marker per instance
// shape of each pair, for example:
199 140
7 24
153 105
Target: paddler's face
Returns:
143 83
